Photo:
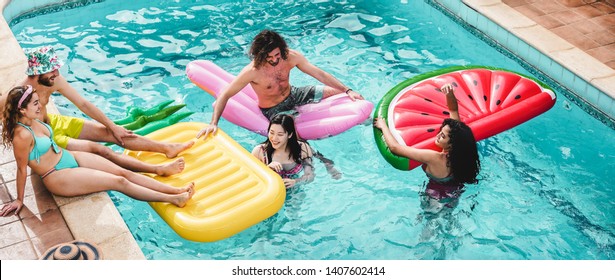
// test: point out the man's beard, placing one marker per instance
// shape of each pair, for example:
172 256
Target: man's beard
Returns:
274 63
46 81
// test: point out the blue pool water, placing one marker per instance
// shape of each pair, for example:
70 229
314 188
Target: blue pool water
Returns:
544 192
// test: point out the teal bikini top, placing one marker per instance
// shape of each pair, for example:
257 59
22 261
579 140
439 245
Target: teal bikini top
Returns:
41 144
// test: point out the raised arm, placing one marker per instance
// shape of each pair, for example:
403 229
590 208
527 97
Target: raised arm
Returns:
241 81
91 110
327 79
421 155
22 143
451 101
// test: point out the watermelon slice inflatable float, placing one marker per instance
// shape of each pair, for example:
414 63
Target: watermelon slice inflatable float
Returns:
490 101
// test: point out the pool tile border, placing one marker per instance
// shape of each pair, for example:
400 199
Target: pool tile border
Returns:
25 9
540 52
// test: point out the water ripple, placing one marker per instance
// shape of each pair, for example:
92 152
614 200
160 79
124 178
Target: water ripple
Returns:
544 193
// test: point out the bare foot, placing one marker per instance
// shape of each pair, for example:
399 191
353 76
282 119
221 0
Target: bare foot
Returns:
187 189
176 148
171 168
180 199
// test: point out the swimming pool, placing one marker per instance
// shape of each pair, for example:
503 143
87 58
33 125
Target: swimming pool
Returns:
544 193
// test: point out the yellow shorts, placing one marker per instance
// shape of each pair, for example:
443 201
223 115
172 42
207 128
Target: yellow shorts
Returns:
64 128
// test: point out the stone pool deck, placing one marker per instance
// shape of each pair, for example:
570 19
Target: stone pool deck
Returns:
578 34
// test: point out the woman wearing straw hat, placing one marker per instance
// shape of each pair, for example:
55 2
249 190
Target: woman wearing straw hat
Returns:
69 173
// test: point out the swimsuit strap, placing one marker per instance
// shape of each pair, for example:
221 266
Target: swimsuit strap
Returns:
37 156
265 156
446 179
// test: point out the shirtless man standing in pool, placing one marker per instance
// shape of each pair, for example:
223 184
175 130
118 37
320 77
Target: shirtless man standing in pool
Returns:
269 72
78 134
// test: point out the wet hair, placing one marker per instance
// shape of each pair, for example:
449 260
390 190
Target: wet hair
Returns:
288 124
11 113
462 155
265 42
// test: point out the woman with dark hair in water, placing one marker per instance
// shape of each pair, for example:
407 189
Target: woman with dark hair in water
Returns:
457 164
285 153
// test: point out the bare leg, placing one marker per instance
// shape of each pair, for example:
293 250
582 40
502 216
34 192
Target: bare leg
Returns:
97 132
70 182
83 180
93 161
125 161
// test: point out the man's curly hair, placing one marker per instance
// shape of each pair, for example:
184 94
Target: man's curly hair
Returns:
265 42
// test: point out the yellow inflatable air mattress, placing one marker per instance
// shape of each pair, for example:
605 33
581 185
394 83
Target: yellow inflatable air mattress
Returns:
233 189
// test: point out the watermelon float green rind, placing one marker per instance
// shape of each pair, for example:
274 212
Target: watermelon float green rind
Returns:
479 121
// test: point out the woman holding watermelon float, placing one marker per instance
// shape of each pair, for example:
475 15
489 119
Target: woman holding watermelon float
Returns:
448 170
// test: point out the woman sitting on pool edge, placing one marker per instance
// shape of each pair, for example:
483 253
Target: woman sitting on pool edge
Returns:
69 173
284 153
457 164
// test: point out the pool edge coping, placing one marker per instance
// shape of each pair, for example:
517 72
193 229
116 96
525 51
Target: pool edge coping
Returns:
560 51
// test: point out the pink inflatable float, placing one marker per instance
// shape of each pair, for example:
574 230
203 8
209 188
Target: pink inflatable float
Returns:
329 117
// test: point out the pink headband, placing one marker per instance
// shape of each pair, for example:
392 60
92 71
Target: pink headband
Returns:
25 95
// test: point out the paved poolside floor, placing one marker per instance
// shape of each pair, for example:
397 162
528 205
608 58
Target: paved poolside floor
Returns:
587 24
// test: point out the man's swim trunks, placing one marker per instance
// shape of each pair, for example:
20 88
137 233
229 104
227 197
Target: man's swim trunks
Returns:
64 128
298 96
